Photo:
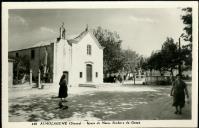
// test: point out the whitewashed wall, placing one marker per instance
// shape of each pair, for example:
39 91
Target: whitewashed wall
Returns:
80 59
62 61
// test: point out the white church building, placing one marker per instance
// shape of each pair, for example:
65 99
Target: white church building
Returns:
80 57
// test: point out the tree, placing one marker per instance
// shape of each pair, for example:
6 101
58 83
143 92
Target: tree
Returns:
21 67
131 61
145 65
187 20
156 62
186 58
170 54
186 52
168 58
113 58
141 61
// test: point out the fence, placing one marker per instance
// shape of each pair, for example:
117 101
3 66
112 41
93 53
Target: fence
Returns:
161 80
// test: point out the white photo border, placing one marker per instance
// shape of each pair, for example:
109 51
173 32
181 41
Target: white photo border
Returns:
99 5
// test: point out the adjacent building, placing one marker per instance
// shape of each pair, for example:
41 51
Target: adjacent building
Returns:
81 57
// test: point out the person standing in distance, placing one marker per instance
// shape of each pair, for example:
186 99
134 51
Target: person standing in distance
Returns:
63 89
178 91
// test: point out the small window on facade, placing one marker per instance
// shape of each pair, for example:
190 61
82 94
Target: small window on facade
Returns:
88 49
32 54
96 74
80 74
17 54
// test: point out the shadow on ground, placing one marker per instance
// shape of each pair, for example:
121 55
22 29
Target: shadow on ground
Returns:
98 106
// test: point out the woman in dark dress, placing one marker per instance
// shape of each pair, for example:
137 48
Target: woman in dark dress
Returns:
178 91
63 89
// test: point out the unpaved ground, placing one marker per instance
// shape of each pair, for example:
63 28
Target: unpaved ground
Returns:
102 103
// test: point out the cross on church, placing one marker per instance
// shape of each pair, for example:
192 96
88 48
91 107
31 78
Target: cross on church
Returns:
87 27
62 31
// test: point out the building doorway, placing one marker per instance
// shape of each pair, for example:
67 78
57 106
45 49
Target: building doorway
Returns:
89 73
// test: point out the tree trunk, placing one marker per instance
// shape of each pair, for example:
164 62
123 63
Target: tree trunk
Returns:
161 72
172 78
150 76
126 75
171 73
150 72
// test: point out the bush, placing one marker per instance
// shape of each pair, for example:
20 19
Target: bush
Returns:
163 82
186 77
131 78
15 81
110 79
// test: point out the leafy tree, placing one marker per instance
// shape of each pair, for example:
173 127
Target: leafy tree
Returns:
141 61
186 52
187 20
145 65
186 58
170 54
168 58
113 58
131 61
156 62
21 67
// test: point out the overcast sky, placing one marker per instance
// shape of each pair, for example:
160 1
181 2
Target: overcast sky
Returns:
142 30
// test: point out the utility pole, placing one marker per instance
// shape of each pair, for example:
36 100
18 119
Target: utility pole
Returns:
134 76
179 65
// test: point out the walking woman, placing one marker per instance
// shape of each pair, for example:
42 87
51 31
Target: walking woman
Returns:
178 91
63 89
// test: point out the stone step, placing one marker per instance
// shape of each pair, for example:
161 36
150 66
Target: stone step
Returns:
88 85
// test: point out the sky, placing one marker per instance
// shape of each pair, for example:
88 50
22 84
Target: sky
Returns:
141 29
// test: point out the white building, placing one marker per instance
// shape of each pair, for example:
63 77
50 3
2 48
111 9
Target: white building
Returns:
81 57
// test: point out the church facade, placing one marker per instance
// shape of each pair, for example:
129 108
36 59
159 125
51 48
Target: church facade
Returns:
80 57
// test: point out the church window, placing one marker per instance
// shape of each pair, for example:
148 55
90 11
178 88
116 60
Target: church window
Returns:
88 49
80 74
96 74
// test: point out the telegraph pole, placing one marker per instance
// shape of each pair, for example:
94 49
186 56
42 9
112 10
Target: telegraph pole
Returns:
179 65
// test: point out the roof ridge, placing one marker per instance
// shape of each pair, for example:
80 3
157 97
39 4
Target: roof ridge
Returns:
38 44
49 41
79 37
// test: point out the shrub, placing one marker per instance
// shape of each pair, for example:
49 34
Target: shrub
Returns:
163 82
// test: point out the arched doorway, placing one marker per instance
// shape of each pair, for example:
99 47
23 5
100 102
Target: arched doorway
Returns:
88 72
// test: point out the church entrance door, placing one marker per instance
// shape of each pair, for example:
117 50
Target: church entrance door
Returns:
89 73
